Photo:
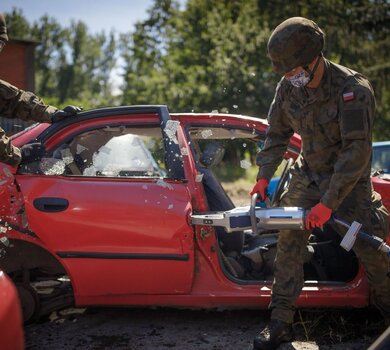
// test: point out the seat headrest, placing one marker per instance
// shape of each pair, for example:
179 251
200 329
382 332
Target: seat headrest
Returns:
212 154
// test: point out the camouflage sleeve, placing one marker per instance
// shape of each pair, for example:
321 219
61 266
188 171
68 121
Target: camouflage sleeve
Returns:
357 105
278 136
16 103
8 153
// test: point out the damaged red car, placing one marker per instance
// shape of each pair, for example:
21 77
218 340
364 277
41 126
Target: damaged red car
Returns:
105 217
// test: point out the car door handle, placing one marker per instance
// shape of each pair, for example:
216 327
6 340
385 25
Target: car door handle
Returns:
51 204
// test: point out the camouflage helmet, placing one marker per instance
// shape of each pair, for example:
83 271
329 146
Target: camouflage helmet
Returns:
295 42
3 28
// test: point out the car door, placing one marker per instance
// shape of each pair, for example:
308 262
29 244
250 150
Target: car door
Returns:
113 205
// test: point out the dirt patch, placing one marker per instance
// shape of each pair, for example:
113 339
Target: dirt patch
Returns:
238 192
162 329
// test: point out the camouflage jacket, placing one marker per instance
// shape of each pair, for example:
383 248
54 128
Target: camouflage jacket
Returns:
335 124
16 103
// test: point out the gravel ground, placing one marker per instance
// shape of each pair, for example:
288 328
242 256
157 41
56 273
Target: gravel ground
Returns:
162 329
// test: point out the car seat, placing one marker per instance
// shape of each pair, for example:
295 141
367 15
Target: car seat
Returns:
217 198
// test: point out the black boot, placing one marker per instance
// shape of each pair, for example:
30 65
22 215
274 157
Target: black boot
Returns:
275 333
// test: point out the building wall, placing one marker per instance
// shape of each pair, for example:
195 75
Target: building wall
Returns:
17 68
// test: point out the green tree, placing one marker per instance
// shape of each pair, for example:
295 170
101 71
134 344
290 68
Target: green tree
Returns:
72 65
212 54
17 25
51 37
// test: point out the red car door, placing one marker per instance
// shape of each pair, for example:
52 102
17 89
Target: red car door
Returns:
107 201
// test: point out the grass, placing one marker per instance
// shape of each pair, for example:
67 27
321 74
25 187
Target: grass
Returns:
238 187
238 182
329 327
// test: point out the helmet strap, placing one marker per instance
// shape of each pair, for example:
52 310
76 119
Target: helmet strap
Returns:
311 72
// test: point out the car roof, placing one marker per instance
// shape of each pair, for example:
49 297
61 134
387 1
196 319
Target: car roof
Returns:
221 115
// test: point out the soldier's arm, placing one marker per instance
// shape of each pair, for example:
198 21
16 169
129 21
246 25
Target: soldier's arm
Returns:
356 117
8 153
278 136
16 103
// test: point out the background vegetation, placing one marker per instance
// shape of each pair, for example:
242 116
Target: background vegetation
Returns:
209 55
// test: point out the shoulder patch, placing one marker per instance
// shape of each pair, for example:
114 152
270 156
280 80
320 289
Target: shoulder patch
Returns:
348 96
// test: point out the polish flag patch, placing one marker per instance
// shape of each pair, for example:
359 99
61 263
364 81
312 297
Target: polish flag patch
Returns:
348 96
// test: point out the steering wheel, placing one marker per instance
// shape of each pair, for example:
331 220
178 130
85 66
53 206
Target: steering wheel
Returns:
284 180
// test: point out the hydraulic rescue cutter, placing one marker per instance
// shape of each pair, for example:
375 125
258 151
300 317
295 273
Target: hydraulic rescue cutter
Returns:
259 219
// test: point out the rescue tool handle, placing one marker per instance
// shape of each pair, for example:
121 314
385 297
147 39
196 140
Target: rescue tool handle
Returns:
354 231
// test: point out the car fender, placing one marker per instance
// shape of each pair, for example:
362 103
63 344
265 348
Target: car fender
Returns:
11 330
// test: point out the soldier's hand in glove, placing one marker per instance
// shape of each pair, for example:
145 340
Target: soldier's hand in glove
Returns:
318 216
68 111
260 188
32 152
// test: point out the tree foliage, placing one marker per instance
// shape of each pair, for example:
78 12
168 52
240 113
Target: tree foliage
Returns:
208 55
72 65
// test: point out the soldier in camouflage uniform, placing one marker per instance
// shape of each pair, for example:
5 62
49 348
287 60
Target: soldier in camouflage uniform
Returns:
332 108
16 103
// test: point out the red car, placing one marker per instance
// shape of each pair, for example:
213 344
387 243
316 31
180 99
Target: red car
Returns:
103 217
11 331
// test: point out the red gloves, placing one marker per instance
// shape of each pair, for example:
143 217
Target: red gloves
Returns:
260 188
318 216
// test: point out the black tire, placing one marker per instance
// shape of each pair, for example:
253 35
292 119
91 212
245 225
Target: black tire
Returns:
29 300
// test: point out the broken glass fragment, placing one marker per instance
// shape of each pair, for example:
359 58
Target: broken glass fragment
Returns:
162 183
52 166
206 133
245 164
67 156
171 129
198 177
80 148
5 241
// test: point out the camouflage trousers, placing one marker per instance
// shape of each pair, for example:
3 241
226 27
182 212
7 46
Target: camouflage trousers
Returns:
363 205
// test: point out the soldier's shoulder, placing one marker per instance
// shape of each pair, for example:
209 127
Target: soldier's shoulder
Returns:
350 80
348 75
357 92
359 86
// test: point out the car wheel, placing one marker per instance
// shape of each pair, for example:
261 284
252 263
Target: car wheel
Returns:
29 300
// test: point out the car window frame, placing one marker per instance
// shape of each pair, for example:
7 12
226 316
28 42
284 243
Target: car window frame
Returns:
55 145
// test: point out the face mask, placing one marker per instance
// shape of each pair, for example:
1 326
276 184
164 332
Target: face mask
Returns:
299 80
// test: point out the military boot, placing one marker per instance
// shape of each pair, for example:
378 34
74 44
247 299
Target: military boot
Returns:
275 333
